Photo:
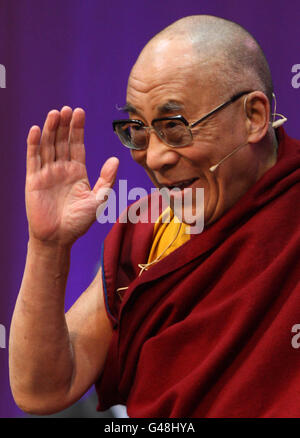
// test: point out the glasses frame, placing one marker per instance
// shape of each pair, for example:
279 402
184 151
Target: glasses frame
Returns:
190 126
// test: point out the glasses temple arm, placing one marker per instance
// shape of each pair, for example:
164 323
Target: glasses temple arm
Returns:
223 105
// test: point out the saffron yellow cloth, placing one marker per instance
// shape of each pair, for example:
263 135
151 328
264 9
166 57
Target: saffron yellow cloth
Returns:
168 235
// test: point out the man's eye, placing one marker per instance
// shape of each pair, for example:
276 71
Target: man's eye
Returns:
136 128
171 124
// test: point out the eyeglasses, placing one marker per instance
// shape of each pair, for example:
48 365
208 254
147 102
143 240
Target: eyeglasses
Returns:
174 131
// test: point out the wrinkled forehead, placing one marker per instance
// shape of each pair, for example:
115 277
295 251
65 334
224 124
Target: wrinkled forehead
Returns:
170 71
166 52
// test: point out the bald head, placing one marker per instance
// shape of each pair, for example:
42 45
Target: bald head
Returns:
234 58
189 69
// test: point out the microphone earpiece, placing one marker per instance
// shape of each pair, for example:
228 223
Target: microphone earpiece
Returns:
279 122
276 123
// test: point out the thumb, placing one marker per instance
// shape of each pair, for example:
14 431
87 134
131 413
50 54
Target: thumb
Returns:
107 175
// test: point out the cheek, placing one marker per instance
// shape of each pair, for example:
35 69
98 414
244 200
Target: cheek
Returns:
201 152
207 139
215 141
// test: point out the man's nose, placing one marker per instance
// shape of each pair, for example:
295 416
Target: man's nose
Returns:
159 154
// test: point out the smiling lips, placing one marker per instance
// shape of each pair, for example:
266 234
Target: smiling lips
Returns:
181 185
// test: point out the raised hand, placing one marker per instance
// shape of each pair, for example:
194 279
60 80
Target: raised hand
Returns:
60 203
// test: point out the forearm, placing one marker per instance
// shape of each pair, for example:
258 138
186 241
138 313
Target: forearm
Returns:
50 369
41 361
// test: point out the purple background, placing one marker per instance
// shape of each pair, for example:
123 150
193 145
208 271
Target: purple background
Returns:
79 53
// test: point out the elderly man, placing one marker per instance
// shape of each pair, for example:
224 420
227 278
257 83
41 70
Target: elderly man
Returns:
174 324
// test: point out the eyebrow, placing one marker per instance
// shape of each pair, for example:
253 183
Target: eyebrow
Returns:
128 108
169 107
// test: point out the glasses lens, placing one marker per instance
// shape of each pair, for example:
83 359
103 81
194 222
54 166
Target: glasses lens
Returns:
173 132
132 135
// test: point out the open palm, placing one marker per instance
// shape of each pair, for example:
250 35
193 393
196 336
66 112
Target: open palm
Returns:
60 203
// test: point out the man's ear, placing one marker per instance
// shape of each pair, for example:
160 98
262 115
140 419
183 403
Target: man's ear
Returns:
257 109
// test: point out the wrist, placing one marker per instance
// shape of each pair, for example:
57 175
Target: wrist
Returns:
48 249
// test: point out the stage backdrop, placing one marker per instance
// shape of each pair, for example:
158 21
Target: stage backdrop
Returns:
79 53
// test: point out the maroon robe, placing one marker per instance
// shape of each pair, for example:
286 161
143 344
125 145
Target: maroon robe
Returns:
207 331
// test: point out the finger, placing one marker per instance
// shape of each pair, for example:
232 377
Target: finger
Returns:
33 146
107 175
62 151
47 150
76 138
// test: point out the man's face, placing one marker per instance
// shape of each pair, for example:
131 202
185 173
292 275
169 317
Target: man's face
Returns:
169 72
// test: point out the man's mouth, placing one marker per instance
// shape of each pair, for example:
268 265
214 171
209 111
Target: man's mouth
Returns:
181 185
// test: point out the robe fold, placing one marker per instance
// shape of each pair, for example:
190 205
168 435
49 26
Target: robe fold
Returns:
207 331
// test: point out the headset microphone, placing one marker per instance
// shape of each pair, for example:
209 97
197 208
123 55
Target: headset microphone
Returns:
275 124
279 122
213 168
282 120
